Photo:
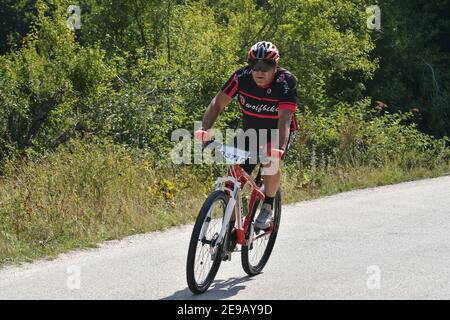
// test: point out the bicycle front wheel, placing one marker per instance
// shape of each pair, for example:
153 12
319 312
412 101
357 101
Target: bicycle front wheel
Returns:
204 255
255 256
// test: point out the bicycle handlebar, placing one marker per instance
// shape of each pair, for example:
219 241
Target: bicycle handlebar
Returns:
203 135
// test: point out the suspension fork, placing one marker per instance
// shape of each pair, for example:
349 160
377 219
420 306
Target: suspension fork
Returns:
234 194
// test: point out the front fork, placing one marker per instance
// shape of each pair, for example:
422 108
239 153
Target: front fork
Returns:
234 195
228 211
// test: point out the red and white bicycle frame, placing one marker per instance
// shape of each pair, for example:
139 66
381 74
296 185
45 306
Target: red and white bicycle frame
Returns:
232 184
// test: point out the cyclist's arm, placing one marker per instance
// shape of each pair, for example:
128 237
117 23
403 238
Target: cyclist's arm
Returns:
286 109
217 105
284 123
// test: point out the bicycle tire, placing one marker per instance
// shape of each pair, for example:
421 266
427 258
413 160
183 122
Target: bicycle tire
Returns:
255 269
193 285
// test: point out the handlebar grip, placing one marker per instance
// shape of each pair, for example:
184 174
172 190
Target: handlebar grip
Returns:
202 135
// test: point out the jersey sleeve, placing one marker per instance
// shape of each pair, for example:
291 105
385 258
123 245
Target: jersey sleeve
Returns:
230 87
288 99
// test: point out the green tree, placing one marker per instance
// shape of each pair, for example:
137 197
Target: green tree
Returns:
15 20
414 53
50 85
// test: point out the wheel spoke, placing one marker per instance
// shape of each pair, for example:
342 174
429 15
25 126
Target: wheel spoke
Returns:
256 255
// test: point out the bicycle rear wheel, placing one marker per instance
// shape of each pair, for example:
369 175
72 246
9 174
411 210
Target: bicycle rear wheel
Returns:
204 255
255 256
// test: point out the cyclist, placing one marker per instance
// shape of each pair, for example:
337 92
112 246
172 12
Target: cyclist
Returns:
267 96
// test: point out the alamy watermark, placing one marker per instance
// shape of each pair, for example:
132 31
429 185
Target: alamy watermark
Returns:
235 147
374 280
73 281
74 20
374 18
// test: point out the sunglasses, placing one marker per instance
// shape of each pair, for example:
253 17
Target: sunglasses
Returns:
261 65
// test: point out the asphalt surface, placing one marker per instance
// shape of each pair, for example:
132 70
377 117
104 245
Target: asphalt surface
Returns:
390 242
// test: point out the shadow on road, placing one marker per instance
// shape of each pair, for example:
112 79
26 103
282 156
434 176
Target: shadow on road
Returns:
220 289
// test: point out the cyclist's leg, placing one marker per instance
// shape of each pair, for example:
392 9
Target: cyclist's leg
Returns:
271 178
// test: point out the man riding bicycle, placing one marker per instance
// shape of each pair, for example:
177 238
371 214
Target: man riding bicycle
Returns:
267 96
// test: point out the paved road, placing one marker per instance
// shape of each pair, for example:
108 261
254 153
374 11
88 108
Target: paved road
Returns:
390 242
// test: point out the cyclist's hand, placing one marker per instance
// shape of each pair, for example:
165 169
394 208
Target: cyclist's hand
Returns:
276 153
273 153
202 135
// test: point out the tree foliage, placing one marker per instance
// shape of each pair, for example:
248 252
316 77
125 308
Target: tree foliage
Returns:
137 70
413 48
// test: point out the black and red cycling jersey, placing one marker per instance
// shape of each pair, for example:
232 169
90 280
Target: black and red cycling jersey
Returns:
260 105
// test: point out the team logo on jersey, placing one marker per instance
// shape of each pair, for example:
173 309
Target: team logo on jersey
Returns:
281 78
242 100
261 108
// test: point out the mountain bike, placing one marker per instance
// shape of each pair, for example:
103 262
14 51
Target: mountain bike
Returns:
224 224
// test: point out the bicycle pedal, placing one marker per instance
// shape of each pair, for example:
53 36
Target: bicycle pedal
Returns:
227 257
232 240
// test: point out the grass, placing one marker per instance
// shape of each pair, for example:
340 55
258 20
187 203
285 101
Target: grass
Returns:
68 201
355 178
84 194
